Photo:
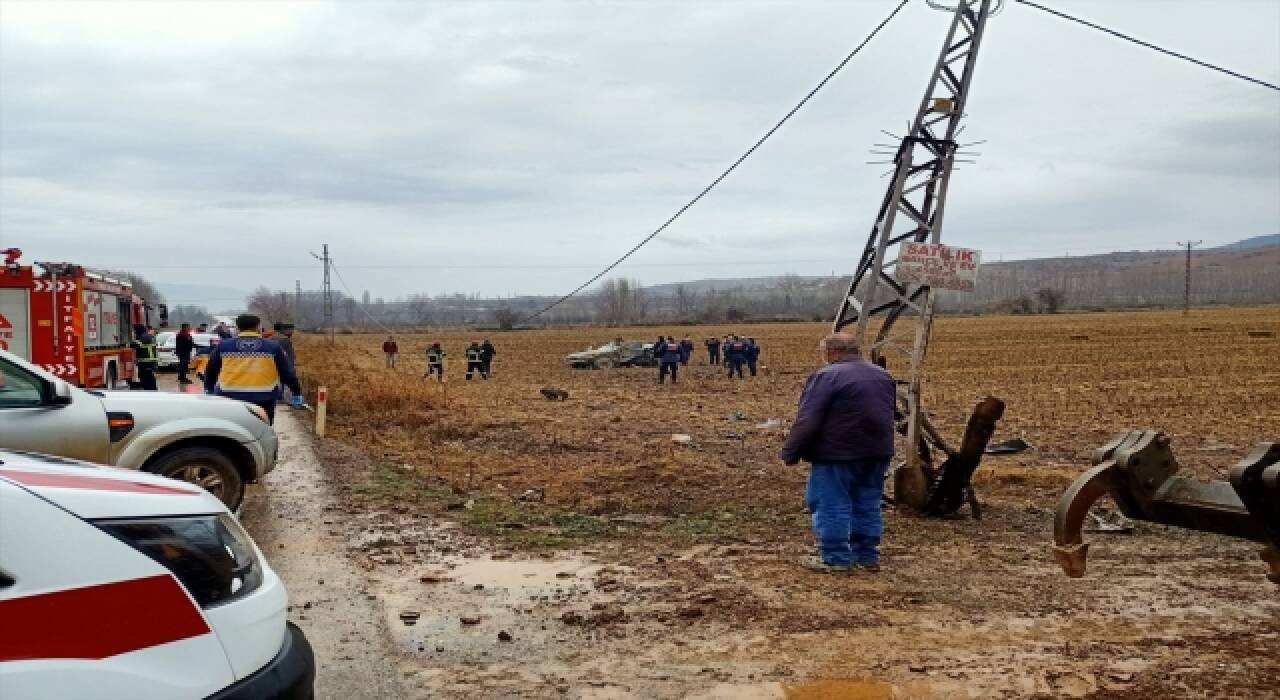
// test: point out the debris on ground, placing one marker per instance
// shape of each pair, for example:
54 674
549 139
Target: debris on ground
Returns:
552 393
1008 447
1109 522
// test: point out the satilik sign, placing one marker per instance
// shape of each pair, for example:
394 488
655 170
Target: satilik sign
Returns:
938 266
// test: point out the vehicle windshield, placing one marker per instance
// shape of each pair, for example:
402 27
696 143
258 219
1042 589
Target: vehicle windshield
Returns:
165 338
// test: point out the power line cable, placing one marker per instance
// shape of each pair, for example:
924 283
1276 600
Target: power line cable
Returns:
728 170
1149 45
352 296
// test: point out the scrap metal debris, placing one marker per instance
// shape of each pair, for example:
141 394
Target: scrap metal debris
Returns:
1008 447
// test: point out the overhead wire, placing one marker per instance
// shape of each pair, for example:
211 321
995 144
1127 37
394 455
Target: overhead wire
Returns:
352 295
840 66
1149 45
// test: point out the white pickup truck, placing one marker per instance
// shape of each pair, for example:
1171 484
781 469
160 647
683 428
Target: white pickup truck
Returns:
217 443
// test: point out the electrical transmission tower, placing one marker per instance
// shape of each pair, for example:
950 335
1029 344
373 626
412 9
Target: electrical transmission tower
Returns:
327 293
922 169
1186 290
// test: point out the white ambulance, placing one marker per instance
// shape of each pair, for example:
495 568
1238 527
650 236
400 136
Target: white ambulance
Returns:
122 584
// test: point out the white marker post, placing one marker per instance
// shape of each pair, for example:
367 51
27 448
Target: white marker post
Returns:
322 405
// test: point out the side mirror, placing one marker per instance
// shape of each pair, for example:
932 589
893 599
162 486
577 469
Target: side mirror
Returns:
61 394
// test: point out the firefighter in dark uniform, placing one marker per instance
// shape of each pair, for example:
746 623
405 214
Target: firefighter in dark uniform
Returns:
735 354
435 362
753 355
487 351
144 356
475 360
669 354
713 350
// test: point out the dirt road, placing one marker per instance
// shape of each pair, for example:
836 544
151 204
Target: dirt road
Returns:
294 519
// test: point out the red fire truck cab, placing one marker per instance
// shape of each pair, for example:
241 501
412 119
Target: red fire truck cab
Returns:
75 323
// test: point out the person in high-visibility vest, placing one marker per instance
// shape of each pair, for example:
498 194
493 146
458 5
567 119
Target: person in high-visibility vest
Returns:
435 362
145 357
475 360
252 369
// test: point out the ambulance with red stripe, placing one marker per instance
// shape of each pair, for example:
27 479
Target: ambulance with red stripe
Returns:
72 322
122 585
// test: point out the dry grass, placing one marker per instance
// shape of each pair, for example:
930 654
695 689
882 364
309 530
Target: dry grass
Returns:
607 450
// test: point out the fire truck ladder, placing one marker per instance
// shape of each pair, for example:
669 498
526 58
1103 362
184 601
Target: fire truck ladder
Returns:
922 168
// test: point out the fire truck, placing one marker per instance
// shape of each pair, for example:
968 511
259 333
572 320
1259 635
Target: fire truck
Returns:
75 323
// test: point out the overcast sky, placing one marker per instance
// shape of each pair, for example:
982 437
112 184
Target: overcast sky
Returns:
518 146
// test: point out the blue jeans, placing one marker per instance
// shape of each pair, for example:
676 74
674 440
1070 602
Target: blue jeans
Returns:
845 501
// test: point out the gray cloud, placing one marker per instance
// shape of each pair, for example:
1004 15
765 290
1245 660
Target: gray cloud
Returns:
547 134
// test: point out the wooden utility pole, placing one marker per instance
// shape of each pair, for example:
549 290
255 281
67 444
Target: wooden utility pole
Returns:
1186 292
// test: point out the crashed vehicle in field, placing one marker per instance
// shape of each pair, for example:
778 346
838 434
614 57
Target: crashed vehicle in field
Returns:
617 353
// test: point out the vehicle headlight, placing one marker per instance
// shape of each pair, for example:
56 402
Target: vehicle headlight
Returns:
211 555
257 411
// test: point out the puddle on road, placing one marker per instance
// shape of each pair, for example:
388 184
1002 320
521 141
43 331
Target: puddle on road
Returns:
496 597
529 576
842 689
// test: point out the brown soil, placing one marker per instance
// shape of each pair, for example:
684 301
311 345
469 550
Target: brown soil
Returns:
681 561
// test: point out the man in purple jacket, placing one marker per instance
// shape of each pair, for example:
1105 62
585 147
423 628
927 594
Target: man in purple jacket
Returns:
844 428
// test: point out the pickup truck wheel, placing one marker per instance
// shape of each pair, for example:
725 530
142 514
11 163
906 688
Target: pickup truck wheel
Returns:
205 467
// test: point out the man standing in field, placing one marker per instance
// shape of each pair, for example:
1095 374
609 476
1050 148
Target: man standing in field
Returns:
753 355
390 349
735 353
844 428
686 350
713 350
487 351
251 368
475 360
669 354
435 362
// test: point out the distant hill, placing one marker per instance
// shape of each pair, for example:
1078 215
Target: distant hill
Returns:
1250 243
1244 272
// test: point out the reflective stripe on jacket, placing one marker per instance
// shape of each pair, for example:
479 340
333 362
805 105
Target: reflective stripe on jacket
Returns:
250 368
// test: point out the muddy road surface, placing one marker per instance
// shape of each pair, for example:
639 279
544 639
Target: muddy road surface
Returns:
962 609
291 516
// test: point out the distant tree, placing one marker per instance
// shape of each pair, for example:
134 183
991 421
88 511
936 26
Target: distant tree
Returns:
141 286
1050 299
735 315
188 313
686 302
270 305
620 301
1022 305
506 318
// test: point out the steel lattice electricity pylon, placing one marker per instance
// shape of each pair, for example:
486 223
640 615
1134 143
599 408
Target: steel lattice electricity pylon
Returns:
922 169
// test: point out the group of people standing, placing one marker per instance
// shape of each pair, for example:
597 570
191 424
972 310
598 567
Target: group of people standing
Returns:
733 352
479 356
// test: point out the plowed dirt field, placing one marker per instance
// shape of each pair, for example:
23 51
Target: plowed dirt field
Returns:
697 544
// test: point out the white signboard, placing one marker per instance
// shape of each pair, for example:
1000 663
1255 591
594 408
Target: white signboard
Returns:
939 266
